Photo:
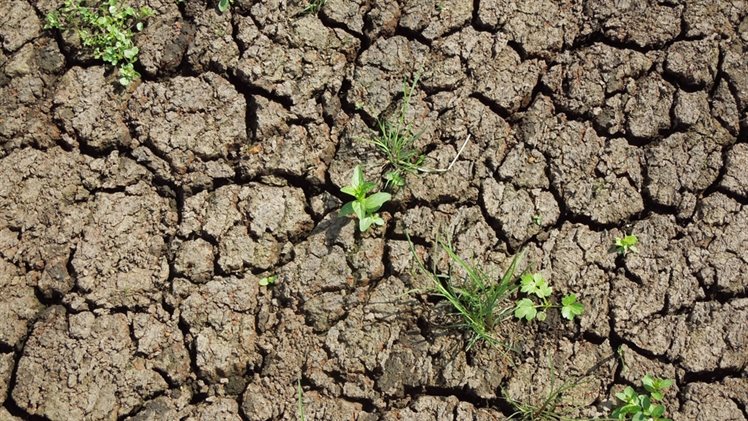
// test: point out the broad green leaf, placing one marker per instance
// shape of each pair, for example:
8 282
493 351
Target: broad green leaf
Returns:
376 200
570 308
541 316
349 190
223 5
525 309
139 26
648 382
347 209
358 209
535 284
639 417
663 383
131 52
365 223
543 290
657 411
357 180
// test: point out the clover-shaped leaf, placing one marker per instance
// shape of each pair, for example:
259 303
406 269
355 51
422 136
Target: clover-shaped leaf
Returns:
525 309
570 308
535 284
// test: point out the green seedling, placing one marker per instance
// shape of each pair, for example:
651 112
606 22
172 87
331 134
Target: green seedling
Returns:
643 407
364 207
395 141
105 28
300 399
536 303
314 6
224 5
268 280
626 244
478 299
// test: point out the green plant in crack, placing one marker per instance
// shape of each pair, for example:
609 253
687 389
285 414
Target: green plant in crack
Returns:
480 301
626 244
364 206
224 5
313 6
643 407
536 303
268 281
395 141
300 412
106 29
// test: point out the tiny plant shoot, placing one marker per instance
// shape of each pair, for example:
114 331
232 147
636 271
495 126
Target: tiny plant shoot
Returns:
106 28
223 5
536 302
643 407
364 207
268 280
314 6
626 244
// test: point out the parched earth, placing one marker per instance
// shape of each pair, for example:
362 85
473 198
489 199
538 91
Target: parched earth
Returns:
135 223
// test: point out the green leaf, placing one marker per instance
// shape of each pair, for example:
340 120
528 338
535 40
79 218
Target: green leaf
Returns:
570 308
131 52
535 284
268 280
648 382
139 26
628 395
639 417
357 180
223 5
365 223
376 200
349 190
525 309
657 411
541 316
347 209
664 383
358 209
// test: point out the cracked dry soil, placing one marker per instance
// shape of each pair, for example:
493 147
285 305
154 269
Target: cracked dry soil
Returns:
135 223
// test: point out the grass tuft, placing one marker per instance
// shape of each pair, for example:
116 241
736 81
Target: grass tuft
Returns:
478 300
395 141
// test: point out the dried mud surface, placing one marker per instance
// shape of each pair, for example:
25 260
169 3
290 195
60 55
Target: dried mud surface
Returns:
135 223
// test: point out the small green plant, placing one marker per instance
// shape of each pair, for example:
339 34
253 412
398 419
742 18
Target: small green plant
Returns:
643 407
363 206
300 398
395 141
626 244
476 297
535 287
268 280
314 6
224 5
106 28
